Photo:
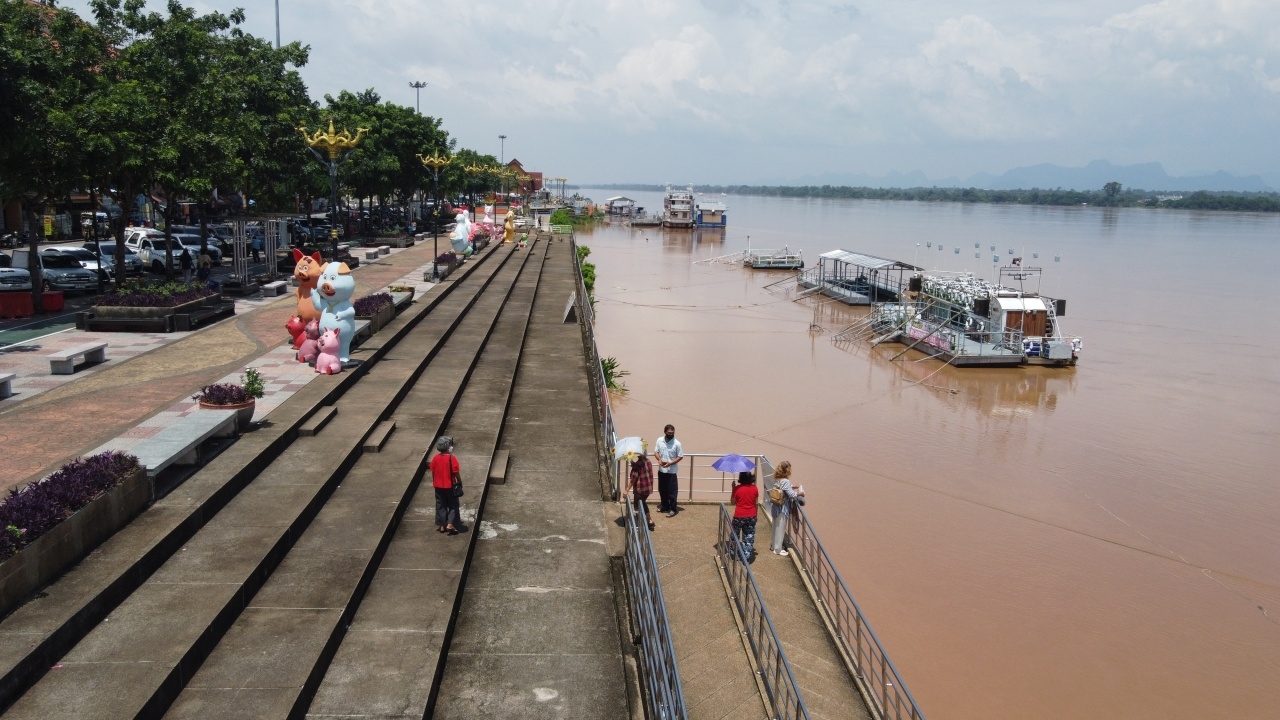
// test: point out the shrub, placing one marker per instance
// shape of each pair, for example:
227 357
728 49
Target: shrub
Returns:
253 383
31 512
447 259
138 294
369 305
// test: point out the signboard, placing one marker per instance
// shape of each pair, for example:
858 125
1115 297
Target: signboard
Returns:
923 334
48 225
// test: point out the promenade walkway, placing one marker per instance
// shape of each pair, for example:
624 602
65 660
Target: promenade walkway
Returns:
149 377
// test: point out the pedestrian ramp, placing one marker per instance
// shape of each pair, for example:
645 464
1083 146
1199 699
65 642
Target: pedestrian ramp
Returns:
749 639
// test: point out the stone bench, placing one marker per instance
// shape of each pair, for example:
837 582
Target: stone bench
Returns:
64 363
180 443
371 254
6 385
363 332
274 288
384 249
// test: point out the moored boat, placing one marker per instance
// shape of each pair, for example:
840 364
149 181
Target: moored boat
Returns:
677 208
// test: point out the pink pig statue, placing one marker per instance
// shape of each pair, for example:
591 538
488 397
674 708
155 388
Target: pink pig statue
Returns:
310 346
327 361
295 327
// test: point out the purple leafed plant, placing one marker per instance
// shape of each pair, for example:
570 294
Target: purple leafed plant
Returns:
222 394
167 295
369 305
447 259
31 512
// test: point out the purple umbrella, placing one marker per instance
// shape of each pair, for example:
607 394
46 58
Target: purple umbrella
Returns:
733 463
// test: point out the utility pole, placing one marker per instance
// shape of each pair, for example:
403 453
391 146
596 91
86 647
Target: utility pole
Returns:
417 86
502 152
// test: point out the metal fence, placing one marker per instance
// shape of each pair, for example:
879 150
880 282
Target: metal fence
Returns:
600 389
775 671
661 677
883 686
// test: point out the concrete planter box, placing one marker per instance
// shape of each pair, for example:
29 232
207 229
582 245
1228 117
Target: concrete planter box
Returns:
402 300
53 553
244 411
152 313
379 320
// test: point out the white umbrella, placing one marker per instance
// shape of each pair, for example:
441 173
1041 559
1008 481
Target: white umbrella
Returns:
627 446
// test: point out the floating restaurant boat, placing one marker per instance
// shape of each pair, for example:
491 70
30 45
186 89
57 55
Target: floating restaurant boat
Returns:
642 218
967 321
677 208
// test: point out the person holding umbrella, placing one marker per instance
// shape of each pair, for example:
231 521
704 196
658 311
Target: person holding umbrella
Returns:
669 454
745 495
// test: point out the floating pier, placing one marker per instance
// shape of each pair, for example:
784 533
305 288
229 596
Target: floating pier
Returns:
857 278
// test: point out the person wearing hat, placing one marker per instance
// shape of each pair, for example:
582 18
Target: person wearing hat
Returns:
640 481
446 478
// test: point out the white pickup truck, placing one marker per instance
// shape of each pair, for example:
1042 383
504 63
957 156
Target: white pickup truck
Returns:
148 245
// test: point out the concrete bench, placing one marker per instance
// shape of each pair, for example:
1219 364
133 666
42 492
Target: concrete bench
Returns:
6 385
384 249
362 332
371 254
64 363
180 443
274 288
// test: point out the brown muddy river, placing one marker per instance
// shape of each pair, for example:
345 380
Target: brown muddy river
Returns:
1100 541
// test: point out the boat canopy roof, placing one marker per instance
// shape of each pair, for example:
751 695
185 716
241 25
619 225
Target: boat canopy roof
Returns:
871 262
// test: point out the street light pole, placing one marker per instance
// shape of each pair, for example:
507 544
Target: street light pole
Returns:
417 86
277 24
334 144
502 158
434 162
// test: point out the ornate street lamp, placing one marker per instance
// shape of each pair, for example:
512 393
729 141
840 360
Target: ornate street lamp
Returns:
434 162
474 171
334 144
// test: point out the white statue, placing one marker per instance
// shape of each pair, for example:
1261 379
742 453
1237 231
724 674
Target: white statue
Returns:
460 240
488 216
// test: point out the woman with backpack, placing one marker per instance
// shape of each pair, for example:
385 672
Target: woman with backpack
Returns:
781 495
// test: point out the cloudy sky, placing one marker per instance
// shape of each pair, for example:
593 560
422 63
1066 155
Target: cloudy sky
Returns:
752 91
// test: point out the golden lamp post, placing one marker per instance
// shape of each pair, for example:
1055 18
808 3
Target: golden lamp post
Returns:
474 171
434 162
338 146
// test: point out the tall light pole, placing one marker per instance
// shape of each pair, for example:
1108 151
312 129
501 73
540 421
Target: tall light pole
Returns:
277 24
434 162
334 144
417 86
502 158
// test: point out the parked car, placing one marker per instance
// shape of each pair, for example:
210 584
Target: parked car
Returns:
132 263
150 249
87 259
219 236
60 272
14 279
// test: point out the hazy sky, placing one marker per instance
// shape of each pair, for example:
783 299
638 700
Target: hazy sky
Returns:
746 91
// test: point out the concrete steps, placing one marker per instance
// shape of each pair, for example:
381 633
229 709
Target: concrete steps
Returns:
179 576
391 658
272 658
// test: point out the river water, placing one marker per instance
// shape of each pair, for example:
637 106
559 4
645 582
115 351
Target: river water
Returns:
1098 541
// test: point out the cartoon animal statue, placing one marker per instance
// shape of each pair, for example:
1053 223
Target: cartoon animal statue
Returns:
327 361
488 215
306 272
295 326
509 228
310 346
332 298
460 240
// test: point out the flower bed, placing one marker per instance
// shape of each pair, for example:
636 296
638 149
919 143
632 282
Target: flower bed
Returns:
378 308
169 295
50 524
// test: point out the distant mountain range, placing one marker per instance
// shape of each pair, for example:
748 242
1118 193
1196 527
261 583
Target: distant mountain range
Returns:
1046 176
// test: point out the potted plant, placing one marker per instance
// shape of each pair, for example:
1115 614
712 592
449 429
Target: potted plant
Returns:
226 396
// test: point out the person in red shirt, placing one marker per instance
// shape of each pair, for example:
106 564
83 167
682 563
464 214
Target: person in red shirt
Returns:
640 483
745 495
444 470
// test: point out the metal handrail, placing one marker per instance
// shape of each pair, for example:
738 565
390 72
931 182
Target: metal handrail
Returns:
713 485
884 687
665 697
775 671
600 389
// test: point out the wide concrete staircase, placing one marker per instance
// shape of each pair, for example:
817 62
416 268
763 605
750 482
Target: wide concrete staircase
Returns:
299 573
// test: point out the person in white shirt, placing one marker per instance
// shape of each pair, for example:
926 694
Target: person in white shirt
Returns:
668 453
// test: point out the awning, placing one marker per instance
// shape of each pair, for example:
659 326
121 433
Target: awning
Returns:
870 262
1024 304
